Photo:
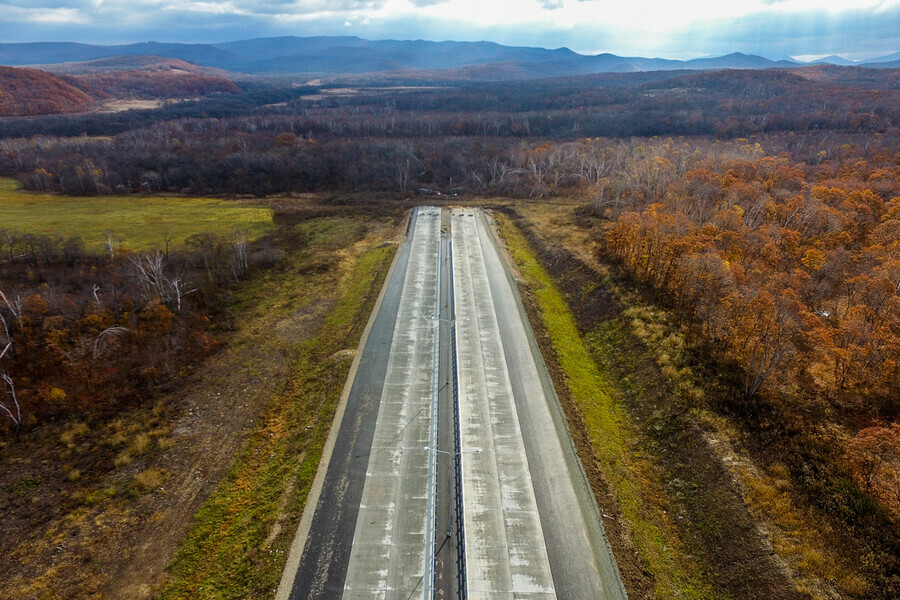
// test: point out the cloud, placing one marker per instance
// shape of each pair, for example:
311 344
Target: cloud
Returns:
637 27
157 9
50 4
849 33
47 15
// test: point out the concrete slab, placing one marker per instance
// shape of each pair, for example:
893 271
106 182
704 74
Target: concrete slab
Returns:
505 551
389 547
531 527
580 558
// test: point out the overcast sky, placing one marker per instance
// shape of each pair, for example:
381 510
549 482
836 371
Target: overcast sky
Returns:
670 29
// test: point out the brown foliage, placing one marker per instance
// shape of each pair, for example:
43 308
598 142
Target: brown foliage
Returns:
102 333
873 457
26 92
152 84
783 270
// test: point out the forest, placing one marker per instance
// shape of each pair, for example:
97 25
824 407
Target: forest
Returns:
761 207
778 250
85 332
33 92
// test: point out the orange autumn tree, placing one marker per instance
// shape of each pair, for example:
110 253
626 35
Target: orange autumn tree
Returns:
873 457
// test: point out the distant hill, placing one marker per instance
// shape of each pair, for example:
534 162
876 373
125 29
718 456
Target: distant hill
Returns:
79 87
747 83
882 59
736 60
29 92
859 77
833 60
894 64
145 77
131 62
325 56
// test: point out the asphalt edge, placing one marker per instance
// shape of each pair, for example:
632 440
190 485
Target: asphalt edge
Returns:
604 555
295 554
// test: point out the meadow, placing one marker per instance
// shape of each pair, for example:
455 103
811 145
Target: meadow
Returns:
134 222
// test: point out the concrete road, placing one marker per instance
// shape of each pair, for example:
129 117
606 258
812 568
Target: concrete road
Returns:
506 556
580 558
326 537
447 553
452 473
389 552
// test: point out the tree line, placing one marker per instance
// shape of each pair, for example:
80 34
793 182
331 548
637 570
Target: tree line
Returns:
480 139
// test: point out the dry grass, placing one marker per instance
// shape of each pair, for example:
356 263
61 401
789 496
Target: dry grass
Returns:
798 535
258 504
149 480
72 432
140 444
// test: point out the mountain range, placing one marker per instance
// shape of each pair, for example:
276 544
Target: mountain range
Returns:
332 56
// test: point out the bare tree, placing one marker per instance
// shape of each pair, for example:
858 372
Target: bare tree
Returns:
13 404
110 243
106 336
168 237
15 308
405 165
241 249
150 270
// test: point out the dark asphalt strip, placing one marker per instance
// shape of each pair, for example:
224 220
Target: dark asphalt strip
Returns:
326 554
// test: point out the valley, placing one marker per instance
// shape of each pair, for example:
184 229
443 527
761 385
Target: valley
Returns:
203 336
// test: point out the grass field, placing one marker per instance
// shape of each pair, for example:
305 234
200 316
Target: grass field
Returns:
136 222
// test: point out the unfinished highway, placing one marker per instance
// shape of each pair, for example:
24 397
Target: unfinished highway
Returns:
450 472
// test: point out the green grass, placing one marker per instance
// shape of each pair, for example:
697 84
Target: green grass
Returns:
612 435
136 222
230 550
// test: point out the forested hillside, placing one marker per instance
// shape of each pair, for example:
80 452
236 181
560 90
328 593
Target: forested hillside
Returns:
32 92
25 92
472 138
147 78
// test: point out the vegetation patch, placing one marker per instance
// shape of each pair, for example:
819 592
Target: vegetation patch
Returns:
127 222
99 497
729 476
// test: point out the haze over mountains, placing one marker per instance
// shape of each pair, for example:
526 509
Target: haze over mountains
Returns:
354 55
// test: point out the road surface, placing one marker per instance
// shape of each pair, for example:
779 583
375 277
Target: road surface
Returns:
452 473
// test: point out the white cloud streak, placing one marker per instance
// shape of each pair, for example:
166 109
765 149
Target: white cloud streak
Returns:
669 28
43 15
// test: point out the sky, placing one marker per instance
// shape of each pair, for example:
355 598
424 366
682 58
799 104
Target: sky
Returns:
855 29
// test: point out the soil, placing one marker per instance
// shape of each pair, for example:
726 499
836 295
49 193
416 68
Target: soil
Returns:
219 406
